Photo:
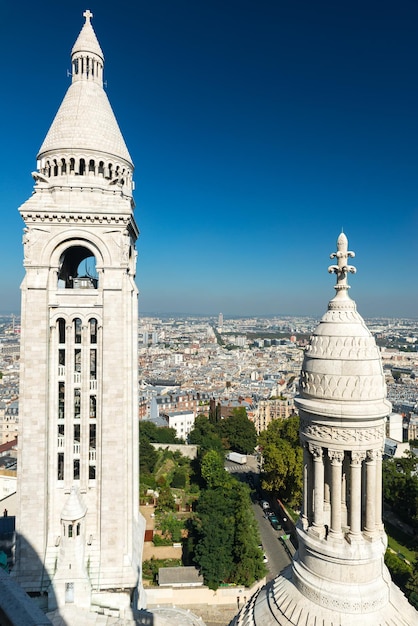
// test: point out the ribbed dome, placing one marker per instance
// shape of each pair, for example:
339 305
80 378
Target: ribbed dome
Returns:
342 365
85 122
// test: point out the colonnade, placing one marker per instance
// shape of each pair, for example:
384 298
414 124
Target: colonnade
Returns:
342 491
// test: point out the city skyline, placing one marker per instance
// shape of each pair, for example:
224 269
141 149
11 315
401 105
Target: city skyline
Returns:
258 133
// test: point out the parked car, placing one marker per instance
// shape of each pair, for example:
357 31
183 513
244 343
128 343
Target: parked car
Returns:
274 522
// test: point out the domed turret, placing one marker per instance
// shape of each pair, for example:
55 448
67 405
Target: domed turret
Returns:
338 575
84 139
342 374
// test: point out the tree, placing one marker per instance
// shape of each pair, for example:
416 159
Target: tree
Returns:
400 487
147 456
157 434
225 536
400 571
238 432
214 536
213 471
204 435
249 566
166 500
283 457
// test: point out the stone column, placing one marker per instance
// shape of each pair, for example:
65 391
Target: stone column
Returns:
306 513
355 492
327 488
370 517
379 487
318 513
336 457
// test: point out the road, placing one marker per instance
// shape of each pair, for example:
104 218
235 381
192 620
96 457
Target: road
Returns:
277 556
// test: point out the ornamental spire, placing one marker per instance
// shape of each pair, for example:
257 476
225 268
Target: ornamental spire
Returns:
342 268
87 56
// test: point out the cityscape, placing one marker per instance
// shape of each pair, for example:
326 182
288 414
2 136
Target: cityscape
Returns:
192 469
184 362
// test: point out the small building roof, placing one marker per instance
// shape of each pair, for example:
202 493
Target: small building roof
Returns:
179 577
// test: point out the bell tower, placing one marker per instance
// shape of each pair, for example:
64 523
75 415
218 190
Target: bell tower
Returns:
80 534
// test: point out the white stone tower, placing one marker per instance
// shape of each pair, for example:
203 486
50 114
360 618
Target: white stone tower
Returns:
80 535
338 576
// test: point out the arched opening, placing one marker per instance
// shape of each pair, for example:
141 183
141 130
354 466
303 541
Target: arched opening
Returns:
77 269
63 166
61 330
91 165
82 168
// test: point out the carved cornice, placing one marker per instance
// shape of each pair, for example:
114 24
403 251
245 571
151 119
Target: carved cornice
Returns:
75 218
326 434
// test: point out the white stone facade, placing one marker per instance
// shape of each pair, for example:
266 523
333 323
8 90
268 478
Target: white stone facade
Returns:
80 531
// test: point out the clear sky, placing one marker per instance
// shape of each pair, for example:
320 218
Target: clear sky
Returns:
258 128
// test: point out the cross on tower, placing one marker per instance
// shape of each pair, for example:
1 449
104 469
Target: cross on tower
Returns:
88 15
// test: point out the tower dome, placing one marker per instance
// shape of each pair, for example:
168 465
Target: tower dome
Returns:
338 575
342 374
84 137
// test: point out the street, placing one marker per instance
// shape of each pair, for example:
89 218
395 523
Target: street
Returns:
277 556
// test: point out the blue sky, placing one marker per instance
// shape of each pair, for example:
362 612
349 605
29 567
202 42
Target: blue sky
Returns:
259 129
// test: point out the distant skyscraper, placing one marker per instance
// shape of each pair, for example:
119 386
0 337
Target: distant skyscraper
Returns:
220 321
338 575
80 532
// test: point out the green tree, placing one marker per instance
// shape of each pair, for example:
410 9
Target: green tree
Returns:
282 455
214 537
147 456
400 487
225 536
166 500
213 471
204 435
157 434
238 432
249 565
399 570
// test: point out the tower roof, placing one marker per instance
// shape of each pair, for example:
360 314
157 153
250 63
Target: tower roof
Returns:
87 41
85 121
74 508
342 373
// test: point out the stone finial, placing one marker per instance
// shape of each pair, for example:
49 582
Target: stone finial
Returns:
88 15
342 268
